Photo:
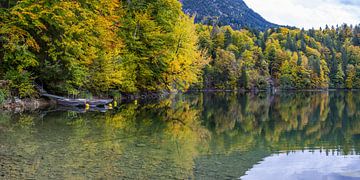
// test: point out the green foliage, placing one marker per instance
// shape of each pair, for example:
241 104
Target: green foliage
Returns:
291 59
22 82
63 44
339 77
116 95
2 96
350 75
96 47
244 78
161 47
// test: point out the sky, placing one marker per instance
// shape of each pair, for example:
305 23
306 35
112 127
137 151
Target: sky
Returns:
313 164
308 13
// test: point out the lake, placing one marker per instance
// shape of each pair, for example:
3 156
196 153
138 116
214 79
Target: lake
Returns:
290 135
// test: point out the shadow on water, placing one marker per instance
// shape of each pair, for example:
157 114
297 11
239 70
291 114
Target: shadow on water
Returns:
197 136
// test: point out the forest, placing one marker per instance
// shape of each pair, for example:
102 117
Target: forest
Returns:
108 47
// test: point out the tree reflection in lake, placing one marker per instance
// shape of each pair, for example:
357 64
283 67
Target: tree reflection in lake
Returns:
286 121
211 135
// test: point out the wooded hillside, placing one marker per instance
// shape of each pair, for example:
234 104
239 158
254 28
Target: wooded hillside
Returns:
101 47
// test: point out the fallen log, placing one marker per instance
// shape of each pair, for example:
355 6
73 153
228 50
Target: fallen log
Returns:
78 102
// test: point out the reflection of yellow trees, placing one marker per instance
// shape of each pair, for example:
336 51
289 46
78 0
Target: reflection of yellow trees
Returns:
221 111
324 106
25 121
183 128
225 111
152 136
4 122
21 127
162 139
122 119
291 120
295 111
351 106
340 105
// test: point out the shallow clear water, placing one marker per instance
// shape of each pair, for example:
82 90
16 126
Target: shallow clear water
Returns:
292 135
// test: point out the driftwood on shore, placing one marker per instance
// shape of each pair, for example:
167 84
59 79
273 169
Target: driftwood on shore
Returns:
78 102
73 102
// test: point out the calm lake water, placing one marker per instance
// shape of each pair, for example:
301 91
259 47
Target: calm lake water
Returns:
292 135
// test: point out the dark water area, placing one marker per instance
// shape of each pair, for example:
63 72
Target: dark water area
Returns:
290 135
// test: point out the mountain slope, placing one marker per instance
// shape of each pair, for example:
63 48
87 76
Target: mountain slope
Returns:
229 12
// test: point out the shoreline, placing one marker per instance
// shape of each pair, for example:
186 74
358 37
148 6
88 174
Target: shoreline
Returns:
16 104
276 90
20 105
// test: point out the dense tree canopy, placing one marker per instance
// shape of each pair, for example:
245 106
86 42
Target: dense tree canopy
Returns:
96 47
161 51
74 47
289 59
68 46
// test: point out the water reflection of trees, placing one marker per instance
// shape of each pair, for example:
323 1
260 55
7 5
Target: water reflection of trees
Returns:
139 140
287 121
162 139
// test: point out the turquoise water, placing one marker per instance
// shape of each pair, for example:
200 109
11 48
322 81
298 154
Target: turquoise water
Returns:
292 135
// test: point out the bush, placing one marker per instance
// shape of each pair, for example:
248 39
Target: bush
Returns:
286 82
262 83
21 83
116 95
3 95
